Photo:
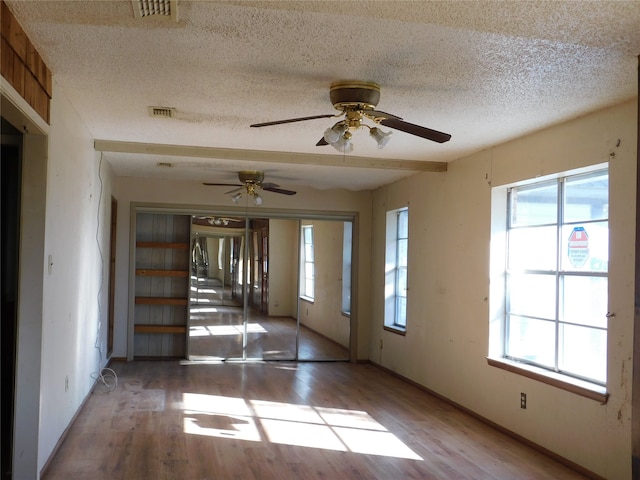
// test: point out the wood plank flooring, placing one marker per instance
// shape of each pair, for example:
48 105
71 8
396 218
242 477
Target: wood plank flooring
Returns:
282 420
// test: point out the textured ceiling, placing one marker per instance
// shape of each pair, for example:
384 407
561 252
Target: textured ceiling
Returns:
483 71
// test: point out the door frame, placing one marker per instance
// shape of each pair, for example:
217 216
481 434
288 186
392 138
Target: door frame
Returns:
262 213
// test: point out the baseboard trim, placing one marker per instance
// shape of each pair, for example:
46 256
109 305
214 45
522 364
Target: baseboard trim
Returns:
566 462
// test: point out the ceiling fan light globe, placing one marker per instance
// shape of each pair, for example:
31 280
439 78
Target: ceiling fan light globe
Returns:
257 199
348 147
331 136
236 198
381 138
343 145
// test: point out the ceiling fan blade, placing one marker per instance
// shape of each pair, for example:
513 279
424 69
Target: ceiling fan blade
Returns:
222 184
380 114
269 185
417 130
278 190
234 190
291 120
322 142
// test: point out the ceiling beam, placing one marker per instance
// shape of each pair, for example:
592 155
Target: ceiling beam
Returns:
268 156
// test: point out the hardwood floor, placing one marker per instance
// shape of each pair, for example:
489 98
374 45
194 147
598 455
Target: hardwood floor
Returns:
282 420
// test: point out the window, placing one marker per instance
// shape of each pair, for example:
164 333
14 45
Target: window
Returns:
346 268
557 275
307 276
395 313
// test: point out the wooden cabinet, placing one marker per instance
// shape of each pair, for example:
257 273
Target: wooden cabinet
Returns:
162 270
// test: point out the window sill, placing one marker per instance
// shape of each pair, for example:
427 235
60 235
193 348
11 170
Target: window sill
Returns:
307 299
396 330
582 388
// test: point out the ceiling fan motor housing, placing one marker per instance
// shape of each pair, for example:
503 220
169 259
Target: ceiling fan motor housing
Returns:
250 176
352 94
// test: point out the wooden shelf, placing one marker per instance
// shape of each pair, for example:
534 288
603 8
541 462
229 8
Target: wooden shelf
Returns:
161 301
178 245
162 270
145 272
160 329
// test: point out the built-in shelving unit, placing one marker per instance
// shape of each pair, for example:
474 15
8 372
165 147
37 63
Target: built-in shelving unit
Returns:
161 285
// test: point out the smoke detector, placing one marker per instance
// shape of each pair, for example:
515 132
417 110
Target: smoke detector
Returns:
162 8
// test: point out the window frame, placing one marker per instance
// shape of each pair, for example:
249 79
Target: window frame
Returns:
498 299
347 241
396 274
305 263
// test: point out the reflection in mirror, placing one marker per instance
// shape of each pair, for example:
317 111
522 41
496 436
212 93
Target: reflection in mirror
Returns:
325 290
216 293
298 288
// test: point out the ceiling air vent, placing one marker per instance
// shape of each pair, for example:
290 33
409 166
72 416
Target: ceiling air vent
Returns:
164 8
163 112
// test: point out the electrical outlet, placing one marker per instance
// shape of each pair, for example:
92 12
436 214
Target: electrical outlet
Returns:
523 400
380 344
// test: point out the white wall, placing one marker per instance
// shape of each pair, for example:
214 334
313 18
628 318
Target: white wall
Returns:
195 197
74 306
446 344
283 270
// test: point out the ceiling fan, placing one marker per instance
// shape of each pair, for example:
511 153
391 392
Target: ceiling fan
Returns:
216 221
251 182
356 101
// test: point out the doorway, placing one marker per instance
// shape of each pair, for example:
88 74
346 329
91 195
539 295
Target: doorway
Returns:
10 189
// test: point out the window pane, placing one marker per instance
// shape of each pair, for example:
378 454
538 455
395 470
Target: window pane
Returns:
308 270
308 234
533 248
586 197
585 300
533 295
401 286
531 340
346 267
583 352
308 287
534 205
402 252
403 223
585 247
401 311
308 253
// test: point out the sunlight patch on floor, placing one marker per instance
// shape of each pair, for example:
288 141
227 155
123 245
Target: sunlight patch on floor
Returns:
219 330
204 310
302 435
291 424
207 290
201 309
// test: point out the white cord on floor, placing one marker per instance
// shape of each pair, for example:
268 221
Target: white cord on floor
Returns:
108 379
